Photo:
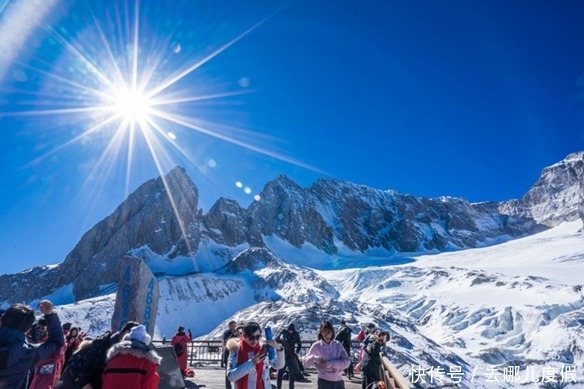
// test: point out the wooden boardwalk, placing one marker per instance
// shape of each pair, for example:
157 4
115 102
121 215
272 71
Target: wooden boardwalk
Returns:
214 378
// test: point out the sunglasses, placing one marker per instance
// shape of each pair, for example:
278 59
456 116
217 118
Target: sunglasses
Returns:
254 337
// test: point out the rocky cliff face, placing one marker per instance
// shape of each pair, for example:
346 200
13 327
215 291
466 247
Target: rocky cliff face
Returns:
161 214
333 212
226 223
146 218
558 194
31 284
289 212
330 215
365 218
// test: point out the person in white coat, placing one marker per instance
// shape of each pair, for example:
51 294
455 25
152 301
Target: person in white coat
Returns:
247 359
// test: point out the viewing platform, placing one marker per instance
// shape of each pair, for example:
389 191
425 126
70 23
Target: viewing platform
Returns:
204 357
214 378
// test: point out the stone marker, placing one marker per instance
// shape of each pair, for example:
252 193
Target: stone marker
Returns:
169 372
137 296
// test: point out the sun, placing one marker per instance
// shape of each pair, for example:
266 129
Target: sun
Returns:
131 94
131 105
129 89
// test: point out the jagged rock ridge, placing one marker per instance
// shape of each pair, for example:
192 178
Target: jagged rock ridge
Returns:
329 215
147 217
558 194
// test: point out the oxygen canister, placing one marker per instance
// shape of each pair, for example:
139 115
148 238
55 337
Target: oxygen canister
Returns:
270 336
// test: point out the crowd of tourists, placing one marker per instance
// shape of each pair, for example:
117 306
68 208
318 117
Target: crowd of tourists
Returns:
48 355
45 354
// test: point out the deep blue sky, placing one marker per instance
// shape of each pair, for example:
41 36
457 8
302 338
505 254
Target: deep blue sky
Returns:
457 98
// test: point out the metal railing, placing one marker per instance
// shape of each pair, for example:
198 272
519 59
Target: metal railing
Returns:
211 351
201 351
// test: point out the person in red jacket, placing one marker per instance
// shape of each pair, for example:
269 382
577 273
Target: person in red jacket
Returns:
132 363
180 340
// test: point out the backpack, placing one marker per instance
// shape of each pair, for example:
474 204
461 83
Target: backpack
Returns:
86 365
179 349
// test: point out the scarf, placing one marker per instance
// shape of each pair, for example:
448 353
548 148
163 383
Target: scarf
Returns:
242 357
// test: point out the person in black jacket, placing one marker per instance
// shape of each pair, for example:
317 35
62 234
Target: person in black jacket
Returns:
344 336
229 333
372 359
17 356
289 339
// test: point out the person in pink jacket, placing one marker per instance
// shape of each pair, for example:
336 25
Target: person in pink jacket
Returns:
329 357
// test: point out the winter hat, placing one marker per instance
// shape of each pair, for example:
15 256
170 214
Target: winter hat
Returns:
291 327
139 333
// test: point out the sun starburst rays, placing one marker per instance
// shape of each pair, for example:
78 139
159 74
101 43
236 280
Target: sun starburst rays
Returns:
115 85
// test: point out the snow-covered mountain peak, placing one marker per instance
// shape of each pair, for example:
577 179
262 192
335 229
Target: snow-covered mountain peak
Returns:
569 160
273 279
281 183
558 194
252 259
